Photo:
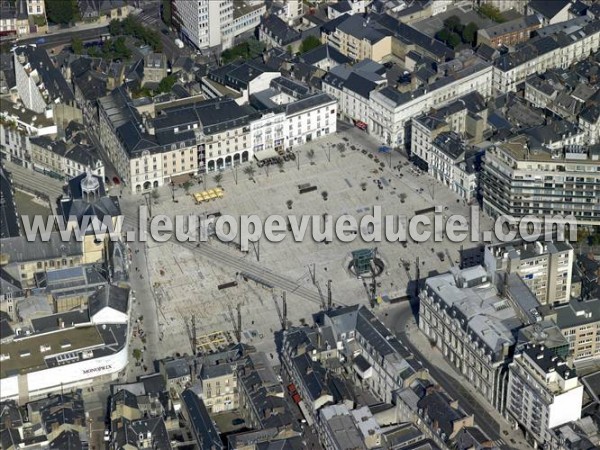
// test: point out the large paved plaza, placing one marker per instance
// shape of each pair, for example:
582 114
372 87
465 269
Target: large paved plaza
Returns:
187 283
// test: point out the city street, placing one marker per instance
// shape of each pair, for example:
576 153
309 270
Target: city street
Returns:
400 319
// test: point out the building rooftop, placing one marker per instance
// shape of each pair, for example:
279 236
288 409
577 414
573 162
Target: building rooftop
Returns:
275 27
511 26
109 296
547 361
474 301
40 351
577 313
200 422
53 81
339 420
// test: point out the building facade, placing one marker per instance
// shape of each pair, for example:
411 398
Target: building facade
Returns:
546 268
462 315
543 393
205 24
518 181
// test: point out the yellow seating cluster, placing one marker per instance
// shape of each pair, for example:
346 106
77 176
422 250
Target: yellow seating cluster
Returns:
206 196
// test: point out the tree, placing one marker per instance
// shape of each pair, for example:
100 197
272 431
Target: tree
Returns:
491 12
309 43
155 194
186 186
289 204
469 33
341 147
77 46
166 12
61 11
249 170
166 84
218 178
452 23
137 354
310 154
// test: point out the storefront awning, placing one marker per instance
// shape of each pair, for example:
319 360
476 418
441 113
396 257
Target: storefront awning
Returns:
266 154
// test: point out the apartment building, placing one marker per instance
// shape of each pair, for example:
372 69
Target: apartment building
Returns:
289 115
42 87
543 393
206 24
545 267
555 46
589 122
64 159
342 428
579 321
352 87
391 111
147 152
219 387
261 396
456 164
246 17
355 37
17 125
509 33
465 116
519 180
462 314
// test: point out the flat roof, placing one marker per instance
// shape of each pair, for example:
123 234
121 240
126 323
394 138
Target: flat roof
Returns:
78 338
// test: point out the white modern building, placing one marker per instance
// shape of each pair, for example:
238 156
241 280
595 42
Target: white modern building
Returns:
205 24
545 267
543 393
34 365
519 180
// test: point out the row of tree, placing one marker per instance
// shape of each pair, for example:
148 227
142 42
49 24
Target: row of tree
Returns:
455 33
113 49
131 27
62 12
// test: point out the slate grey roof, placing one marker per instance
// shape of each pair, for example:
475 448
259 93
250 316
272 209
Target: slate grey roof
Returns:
155 426
109 296
548 9
9 221
359 27
53 322
323 52
5 329
67 440
275 27
91 85
308 103
410 35
577 313
176 368
62 409
436 406
451 144
201 424
53 80
19 249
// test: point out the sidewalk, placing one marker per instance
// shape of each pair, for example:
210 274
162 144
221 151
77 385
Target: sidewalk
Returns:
512 438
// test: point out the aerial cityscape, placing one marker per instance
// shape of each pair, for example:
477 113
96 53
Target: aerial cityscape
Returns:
299 224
